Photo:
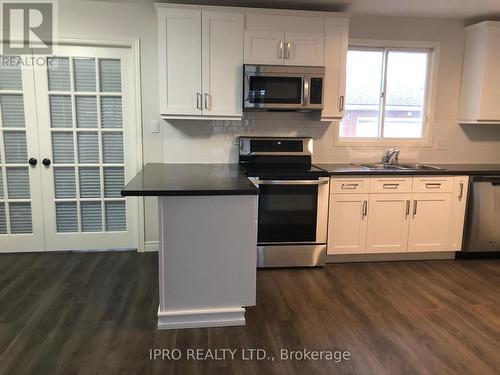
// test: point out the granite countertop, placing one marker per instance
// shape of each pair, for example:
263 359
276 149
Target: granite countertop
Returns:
190 179
449 169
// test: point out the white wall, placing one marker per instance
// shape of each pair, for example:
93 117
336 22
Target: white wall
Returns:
214 141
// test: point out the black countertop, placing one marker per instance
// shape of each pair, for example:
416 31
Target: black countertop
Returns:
190 179
230 179
449 169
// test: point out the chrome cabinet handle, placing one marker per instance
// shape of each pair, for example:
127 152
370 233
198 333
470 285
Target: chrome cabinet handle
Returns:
461 194
349 186
390 186
198 100
429 185
415 202
365 208
341 103
280 53
288 48
407 208
290 182
207 97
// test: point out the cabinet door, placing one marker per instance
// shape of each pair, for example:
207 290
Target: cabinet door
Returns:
458 208
304 49
264 47
336 44
347 223
489 108
222 63
179 45
388 223
430 221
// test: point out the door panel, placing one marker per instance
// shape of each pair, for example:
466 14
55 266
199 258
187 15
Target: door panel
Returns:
388 223
264 47
179 33
222 63
85 106
336 45
348 223
305 49
430 222
21 224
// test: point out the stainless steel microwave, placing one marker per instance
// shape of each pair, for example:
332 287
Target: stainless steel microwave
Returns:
285 88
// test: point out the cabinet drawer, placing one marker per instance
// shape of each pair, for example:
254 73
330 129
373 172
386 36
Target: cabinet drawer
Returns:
390 185
432 184
349 185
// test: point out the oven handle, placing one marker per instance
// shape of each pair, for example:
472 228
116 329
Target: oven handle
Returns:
291 182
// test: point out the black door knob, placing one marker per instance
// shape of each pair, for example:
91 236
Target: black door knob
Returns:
33 162
46 162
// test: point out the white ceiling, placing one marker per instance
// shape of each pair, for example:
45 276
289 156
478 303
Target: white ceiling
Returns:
459 9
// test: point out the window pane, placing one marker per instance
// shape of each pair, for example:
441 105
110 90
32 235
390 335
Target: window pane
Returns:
362 103
405 93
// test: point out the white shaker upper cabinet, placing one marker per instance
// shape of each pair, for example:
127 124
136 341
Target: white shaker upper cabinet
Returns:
264 47
222 63
282 39
200 63
480 92
336 45
179 38
304 49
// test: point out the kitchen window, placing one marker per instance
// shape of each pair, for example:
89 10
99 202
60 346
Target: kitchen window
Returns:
388 95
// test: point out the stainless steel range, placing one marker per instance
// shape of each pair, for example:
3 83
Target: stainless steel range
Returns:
293 201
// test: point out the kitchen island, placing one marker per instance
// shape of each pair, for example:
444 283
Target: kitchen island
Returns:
208 240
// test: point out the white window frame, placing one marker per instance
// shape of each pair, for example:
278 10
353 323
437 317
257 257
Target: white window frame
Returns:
429 104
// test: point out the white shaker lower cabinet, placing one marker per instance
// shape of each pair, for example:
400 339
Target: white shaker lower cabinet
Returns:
388 223
419 214
348 223
430 220
200 63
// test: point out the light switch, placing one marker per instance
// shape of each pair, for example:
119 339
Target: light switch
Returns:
155 126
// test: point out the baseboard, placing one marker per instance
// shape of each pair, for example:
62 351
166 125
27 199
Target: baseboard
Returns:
151 246
177 319
341 258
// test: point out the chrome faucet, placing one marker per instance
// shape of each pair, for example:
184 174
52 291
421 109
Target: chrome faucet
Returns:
391 156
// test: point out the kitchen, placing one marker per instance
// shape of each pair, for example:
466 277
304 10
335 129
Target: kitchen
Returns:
184 78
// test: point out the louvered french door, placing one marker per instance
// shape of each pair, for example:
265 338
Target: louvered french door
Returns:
85 143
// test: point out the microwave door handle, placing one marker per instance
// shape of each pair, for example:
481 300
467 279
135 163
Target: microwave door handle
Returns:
305 92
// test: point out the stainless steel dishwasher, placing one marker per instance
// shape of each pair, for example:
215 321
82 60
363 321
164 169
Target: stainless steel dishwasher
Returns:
482 232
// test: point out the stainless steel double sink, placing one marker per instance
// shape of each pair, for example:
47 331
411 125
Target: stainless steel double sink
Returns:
398 166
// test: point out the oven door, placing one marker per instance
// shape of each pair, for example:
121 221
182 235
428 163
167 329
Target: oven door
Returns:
273 91
292 211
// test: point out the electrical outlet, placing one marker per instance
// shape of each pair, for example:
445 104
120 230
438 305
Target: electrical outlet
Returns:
155 126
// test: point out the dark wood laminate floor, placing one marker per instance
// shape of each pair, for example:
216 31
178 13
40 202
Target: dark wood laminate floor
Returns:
95 313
